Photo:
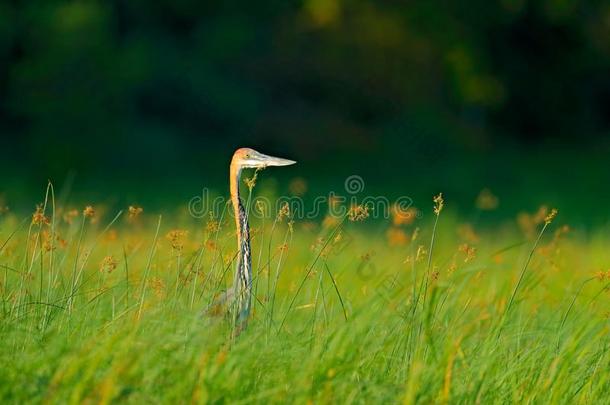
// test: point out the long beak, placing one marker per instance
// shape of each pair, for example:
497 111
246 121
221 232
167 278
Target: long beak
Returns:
275 161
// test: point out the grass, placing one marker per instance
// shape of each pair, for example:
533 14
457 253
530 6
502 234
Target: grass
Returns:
103 308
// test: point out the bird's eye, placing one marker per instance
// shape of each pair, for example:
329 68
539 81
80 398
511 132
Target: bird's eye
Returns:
247 156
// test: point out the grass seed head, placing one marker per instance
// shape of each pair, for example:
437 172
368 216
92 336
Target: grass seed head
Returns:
70 215
435 274
158 286
549 218
469 252
251 181
421 253
415 234
108 264
439 203
89 212
261 208
176 237
38 217
212 226
134 211
358 213
486 200
284 212
291 226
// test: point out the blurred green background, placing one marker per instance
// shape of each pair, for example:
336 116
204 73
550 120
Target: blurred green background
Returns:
140 101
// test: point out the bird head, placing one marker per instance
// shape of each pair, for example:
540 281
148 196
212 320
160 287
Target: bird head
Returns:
247 158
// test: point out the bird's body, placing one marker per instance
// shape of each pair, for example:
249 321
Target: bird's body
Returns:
239 298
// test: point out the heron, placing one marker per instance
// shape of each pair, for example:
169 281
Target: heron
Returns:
239 298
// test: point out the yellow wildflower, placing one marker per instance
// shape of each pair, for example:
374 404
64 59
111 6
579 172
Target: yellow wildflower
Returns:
283 212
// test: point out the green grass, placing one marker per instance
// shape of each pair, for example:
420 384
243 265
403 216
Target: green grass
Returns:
340 314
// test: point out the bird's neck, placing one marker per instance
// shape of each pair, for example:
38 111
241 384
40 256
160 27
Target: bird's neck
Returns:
244 271
238 207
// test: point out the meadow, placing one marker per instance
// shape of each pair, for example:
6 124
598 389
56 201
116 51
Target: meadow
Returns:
100 307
